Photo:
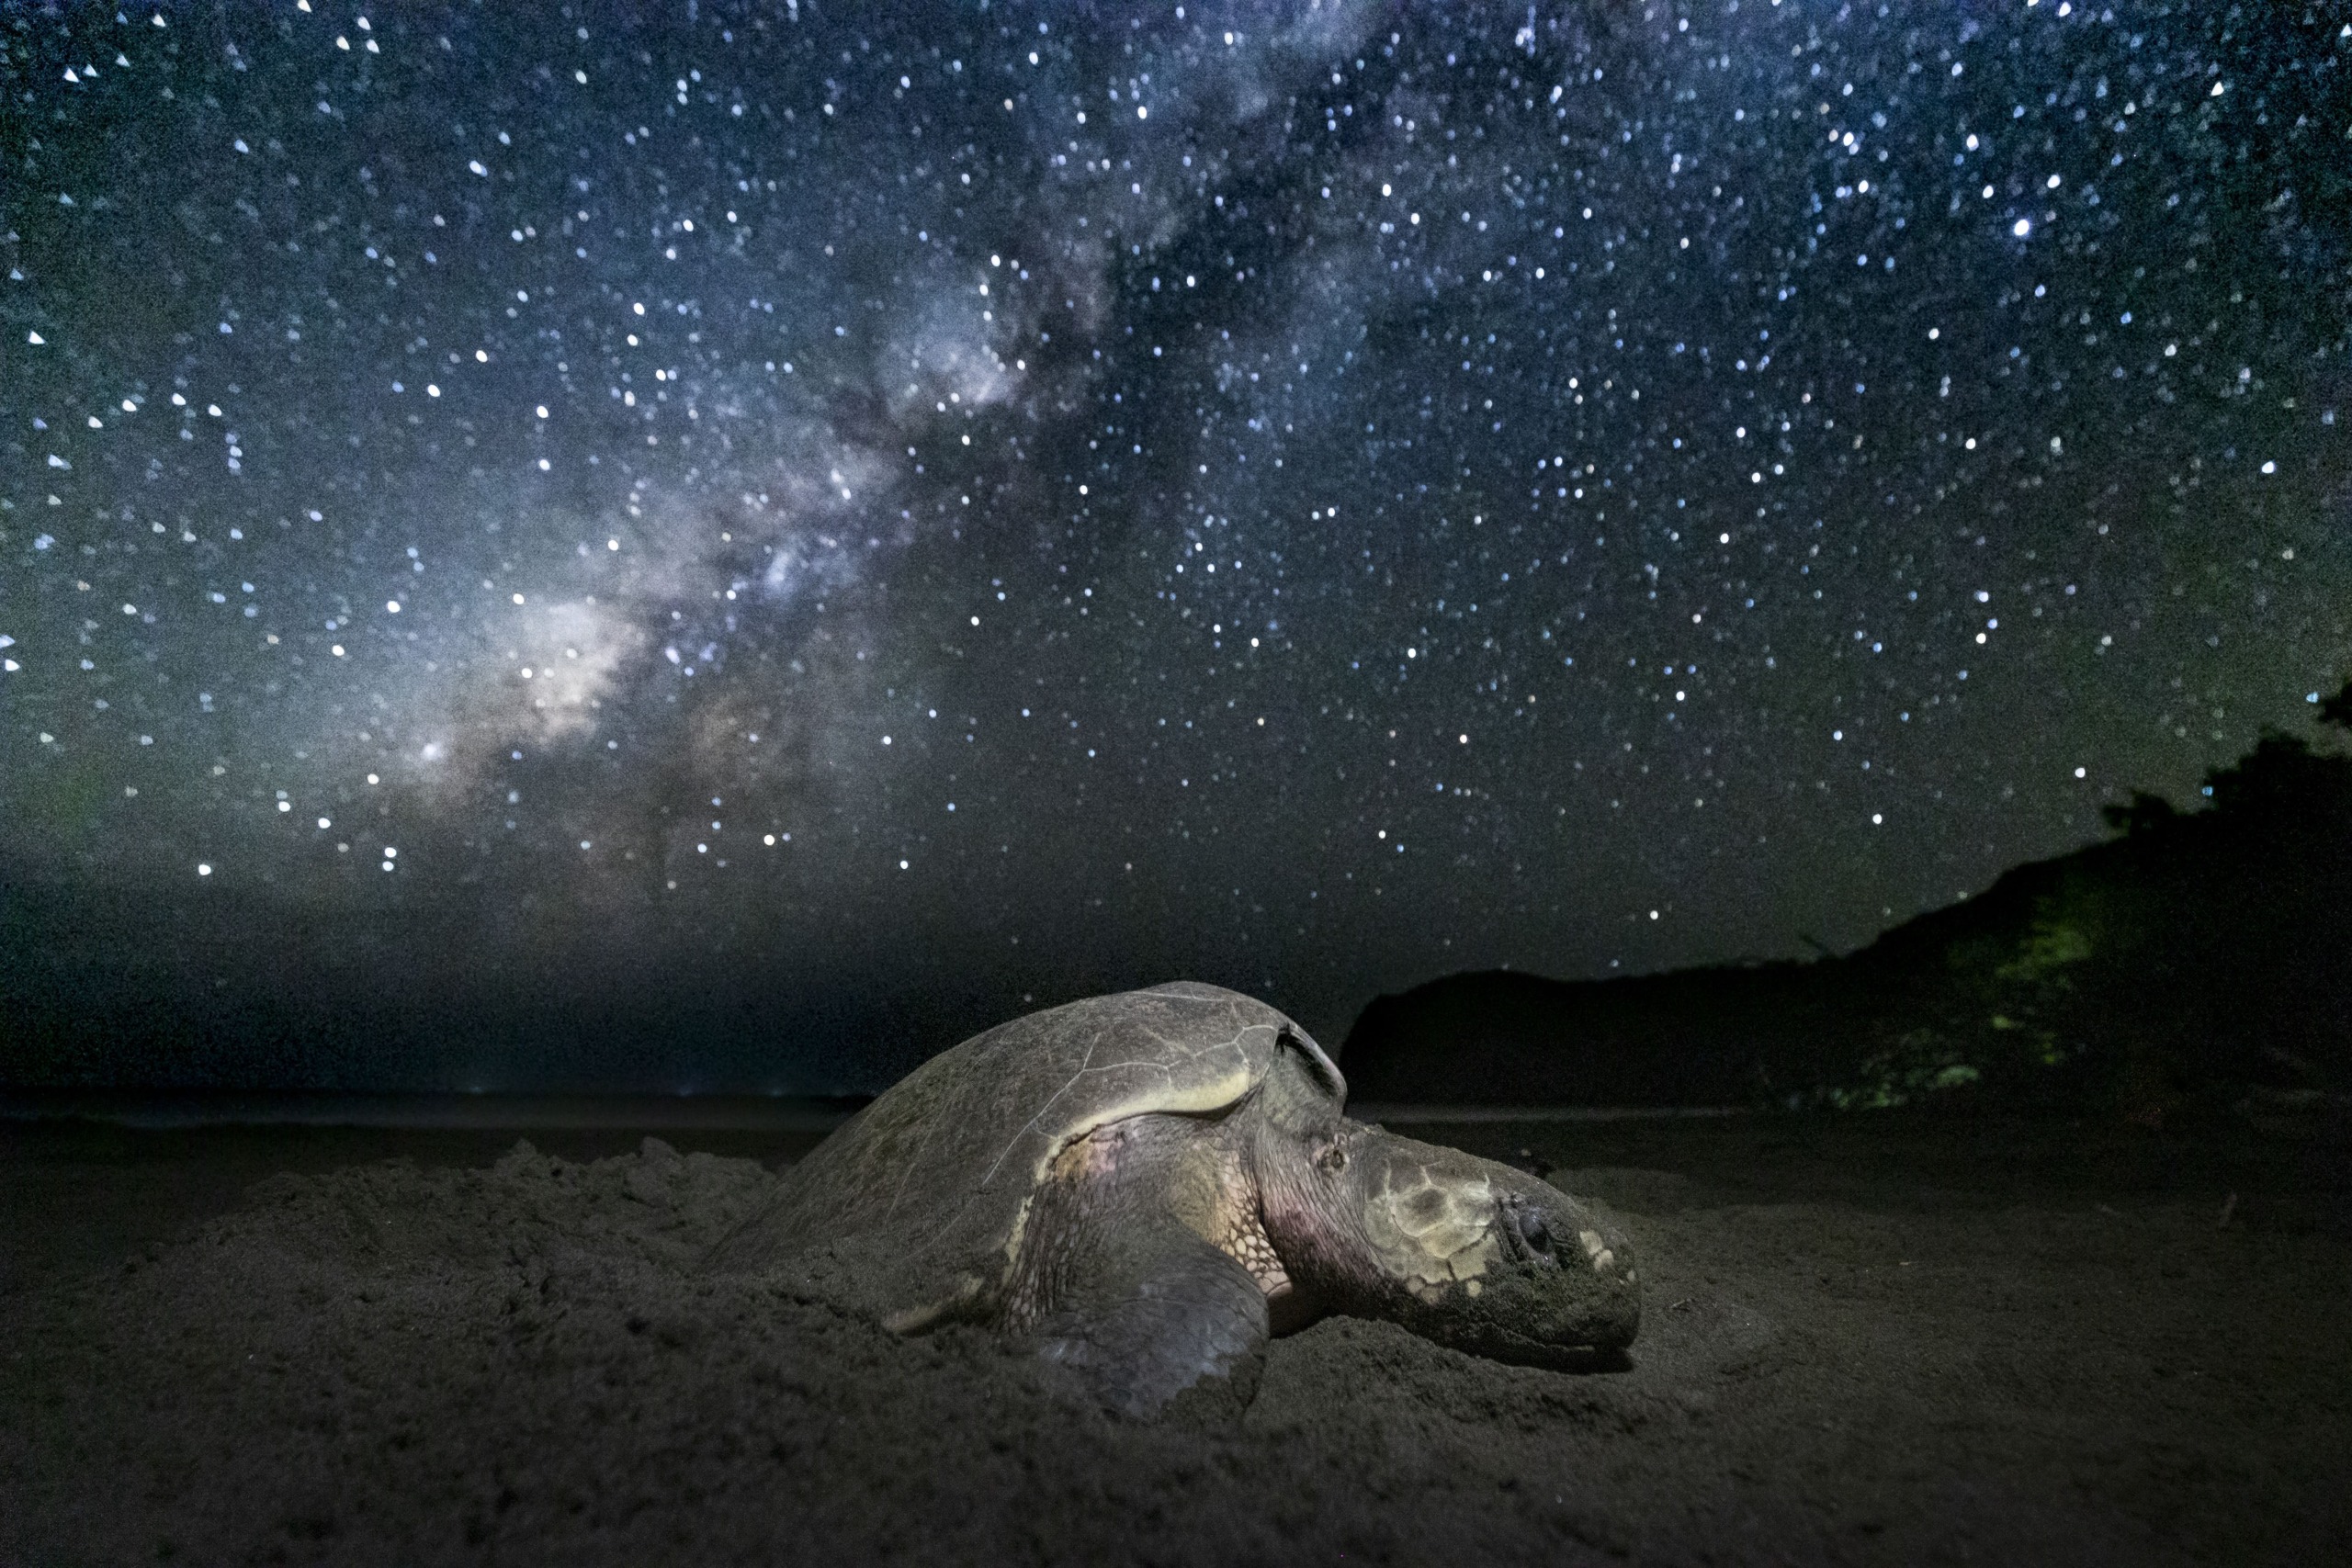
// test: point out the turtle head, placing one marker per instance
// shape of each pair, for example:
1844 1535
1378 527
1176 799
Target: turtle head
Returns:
1465 1251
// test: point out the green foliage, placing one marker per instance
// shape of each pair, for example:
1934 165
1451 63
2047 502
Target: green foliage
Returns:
2051 945
2200 955
1919 1066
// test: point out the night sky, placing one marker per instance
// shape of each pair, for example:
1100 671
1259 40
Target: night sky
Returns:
997 501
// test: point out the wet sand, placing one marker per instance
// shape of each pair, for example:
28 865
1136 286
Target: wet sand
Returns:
1868 1339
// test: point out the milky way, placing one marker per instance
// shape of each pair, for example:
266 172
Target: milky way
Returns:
993 503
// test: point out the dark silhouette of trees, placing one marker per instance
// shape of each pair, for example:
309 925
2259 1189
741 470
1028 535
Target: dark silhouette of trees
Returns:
2200 961
2145 812
2337 709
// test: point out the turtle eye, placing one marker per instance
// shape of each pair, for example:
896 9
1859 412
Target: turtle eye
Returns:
1531 1227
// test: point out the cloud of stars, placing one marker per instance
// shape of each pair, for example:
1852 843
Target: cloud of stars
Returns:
898 513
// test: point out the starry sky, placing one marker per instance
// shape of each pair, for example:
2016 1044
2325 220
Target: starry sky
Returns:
890 513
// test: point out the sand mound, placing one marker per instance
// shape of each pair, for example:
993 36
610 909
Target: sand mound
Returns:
402 1365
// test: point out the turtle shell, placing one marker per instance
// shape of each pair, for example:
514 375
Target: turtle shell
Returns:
915 1205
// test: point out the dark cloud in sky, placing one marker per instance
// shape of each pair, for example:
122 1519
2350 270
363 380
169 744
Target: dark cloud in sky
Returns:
848 519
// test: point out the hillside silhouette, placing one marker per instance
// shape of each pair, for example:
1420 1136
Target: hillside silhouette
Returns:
2196 958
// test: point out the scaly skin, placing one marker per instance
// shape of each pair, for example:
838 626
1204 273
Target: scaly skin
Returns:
1458 1250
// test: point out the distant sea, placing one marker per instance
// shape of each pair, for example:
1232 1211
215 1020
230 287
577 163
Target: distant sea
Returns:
648 1112
308 1108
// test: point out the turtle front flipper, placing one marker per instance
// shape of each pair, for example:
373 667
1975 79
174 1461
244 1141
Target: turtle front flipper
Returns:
1116 1276
1157 1320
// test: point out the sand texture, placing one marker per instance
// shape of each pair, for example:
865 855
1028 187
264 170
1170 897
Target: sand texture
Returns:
1909 1347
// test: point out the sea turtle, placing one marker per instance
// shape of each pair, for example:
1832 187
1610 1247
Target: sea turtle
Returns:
1146 1185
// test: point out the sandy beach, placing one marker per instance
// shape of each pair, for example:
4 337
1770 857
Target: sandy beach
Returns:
1867 1339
